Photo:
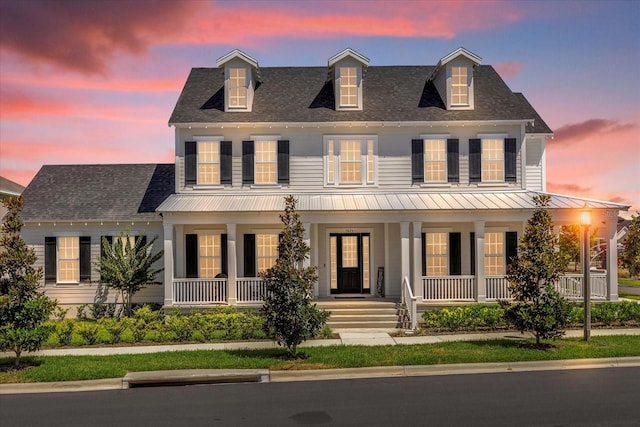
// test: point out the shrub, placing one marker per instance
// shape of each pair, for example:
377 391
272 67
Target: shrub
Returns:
470 317
114 327
80 312
88 331
179 325
64 330
98 311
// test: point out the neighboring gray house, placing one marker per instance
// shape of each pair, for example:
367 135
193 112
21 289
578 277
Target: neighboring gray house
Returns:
8 189
407 177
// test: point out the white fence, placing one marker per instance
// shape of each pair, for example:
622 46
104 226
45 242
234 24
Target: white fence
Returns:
249 290
199 291
447 288
497 288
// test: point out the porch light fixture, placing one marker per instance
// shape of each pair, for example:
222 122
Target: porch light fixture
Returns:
585 222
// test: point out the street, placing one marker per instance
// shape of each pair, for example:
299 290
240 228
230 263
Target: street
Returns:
584 397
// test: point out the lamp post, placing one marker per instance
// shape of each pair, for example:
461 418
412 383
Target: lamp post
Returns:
585 222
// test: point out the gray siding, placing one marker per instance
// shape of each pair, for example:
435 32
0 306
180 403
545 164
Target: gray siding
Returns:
534 164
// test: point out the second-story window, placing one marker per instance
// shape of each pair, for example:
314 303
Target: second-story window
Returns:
350 160
459 86
492 159
208 162
237 87
265 162
434 160
348 86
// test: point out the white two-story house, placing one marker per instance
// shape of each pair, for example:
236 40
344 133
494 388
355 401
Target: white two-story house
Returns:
407 177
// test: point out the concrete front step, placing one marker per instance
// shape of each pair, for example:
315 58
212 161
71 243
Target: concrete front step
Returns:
351 314
363 325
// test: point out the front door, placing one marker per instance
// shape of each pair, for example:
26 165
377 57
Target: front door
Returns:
349 263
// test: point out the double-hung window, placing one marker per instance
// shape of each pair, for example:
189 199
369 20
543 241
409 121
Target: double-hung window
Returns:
350 160
207 161
238 87
206 254
260 251
494 254
348 87
67 259
265 161
434 159
459 86
492 159
441 253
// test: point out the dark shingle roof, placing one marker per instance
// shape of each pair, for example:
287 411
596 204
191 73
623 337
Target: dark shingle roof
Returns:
130 192
390 93
9 187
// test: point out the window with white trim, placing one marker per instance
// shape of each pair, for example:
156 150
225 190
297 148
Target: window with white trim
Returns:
351 160
208 162
209 255
68 259
348 87
459 86
437 253
435 160
492 160
494 254
266 251
237 87
266 157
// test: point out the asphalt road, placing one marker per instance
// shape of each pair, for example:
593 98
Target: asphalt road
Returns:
587 397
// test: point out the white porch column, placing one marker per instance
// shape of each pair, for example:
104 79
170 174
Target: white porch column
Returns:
387 267
405 270
180 252
314 256
232 267
168 264
481 283
612 259
416 278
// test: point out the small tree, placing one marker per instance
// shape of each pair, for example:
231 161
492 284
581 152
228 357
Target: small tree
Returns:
291 317
570 244
537 306
23 307
128 265
630 256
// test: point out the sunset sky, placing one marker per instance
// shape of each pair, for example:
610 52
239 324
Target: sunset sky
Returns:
95 81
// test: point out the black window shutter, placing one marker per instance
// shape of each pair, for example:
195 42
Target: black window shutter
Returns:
472 251
191 245
511 246
224 255
85 258
283 162
475 160
510 159
417 160
225 162
247 162
190 163
424 253
143 238
453 168
249 255
455 254
50 263
110 242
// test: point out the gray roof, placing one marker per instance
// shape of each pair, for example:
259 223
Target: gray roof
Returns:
10 188
390 93
375 201
130 192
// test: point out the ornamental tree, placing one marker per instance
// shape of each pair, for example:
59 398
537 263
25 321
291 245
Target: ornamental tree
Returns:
570 244
537 305
127 265
291 317
24 308
630 256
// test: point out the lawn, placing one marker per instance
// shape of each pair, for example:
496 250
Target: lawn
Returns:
67 368
630 282
629 296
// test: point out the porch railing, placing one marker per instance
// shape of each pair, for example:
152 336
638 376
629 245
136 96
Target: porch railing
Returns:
249 290
410 303
447 288
570 285
497 288
199 291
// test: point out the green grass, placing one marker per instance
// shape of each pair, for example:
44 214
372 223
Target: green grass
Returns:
67 368
629 282
630 296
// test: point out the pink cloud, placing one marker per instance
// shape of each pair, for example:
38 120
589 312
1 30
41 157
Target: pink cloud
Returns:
508 70
578 132
114 84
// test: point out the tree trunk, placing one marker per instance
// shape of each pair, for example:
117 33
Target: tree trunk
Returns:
18 353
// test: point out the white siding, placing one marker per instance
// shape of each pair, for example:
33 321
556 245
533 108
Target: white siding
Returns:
394 172
307 173
534 164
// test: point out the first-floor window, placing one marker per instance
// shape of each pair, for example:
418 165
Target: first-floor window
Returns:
266 251
494 254
437 253
68 259
209 255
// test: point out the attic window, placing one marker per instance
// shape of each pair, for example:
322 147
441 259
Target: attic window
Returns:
237 87
459 86
348 87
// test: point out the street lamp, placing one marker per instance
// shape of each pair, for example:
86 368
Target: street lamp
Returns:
585 222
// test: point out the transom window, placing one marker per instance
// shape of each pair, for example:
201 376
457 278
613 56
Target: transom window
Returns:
237 87
492 160
266 156
350 161
435 160
266 251
459 86
437 253
210 255
69 259
494 254
348 86
208 162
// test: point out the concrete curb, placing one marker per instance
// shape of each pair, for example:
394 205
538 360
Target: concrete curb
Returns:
193 376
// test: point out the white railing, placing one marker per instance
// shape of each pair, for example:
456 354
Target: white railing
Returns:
410 302
199 291
570 285
447 288
497 288
249 290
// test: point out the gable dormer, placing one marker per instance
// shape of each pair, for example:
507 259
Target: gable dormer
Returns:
346 70
453 78
241 74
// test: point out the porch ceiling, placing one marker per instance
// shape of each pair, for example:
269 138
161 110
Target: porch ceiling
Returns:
373 201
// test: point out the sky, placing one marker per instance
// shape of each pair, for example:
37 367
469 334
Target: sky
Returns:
85 82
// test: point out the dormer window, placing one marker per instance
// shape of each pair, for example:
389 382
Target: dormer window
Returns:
348 87
459 86
238 87
241 75
346 70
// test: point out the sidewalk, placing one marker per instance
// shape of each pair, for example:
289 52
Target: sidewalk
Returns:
347 337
